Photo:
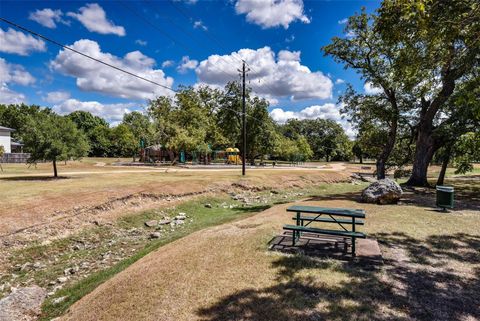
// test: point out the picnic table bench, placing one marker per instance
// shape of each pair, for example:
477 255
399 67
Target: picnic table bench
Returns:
341 216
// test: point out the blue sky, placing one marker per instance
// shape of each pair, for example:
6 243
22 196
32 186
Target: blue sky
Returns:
175 43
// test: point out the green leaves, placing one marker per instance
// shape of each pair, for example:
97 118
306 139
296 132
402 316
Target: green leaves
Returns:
325 137
50 137
186 122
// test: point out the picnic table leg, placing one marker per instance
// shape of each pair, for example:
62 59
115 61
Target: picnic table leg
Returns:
296 234
353 237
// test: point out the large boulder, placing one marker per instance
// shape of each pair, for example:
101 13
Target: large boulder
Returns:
384 191
22 304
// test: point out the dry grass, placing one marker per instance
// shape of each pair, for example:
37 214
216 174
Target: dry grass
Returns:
431 272
28 198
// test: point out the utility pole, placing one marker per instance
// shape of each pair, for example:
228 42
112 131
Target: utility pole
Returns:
244 123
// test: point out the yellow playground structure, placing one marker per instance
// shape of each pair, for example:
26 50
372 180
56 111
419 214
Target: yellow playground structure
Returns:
233 156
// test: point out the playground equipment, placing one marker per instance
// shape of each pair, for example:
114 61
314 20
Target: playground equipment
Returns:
233 156
160 154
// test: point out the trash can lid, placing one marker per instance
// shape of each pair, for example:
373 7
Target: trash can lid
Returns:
445 188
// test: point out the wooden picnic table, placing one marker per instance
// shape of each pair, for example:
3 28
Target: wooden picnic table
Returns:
341 216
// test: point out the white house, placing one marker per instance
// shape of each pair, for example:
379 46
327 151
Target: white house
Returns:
5 139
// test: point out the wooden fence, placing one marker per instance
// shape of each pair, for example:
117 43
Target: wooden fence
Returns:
15 158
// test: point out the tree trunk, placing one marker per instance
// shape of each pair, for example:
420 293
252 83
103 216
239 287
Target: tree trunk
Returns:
380 168
392 135
55 174
361 159
425 145
423 155
446 160
387 149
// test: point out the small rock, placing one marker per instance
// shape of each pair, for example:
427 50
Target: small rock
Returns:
71 270
59 300
179 222
181 216
62 279
26 266
155 235
164 222
208 205
151 223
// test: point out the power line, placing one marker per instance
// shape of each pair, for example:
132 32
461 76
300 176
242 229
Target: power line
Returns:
207 32
141 17
166 17
98 60
189 17
218 42
85 55
154 26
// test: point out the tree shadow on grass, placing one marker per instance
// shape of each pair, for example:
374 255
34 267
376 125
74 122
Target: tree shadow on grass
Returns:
350 196
467 197
33 178
253 209
417 283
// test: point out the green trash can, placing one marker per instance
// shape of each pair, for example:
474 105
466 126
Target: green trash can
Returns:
445 197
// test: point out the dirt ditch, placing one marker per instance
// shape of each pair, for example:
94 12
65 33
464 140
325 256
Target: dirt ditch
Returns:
61 229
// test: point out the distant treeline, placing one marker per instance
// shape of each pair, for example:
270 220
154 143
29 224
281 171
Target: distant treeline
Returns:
199 119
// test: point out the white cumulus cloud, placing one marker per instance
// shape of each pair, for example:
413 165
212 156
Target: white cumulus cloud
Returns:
272 13
17 42
370 89
112 113
8 96
13 74
168 63
56 96
48 17
93 76
94 18
187 64
325 111
271 75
